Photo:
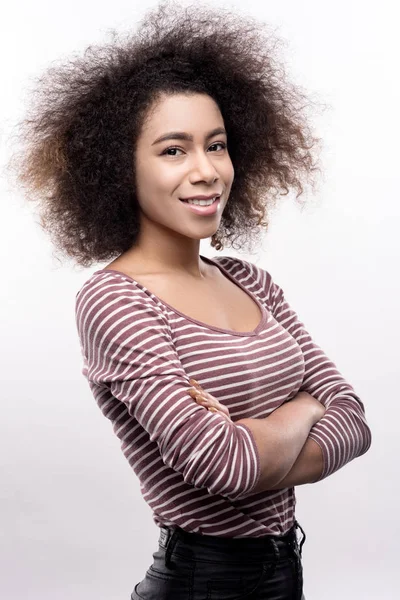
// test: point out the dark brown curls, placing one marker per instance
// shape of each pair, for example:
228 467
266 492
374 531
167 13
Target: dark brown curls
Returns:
78 138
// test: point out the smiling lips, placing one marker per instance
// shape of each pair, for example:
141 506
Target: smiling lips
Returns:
215 195
203 207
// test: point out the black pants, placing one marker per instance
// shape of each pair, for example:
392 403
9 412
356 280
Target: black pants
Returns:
190 566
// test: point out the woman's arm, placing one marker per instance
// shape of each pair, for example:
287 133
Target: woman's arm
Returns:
287 457
342 433
131 361
307 468
281 436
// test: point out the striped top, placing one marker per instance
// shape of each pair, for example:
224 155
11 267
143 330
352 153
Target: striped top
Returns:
196 469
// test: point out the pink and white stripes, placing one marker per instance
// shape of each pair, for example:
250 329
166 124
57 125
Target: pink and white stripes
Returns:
196 469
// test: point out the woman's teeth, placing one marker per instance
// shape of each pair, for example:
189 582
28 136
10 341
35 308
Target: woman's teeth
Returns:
202 202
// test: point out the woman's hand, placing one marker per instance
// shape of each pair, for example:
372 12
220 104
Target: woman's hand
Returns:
317 409
212 404
207 400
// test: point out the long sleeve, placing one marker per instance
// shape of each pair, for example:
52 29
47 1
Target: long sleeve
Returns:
128 349
342 433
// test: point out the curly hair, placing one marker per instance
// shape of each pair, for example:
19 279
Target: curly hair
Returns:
79 138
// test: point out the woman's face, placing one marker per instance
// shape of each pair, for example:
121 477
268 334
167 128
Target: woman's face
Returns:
193 161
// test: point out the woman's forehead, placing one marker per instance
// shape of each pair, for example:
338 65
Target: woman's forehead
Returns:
183 112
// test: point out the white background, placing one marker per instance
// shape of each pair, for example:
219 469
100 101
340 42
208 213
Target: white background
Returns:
73 523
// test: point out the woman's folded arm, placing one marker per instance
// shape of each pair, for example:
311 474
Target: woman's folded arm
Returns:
342 433
126 342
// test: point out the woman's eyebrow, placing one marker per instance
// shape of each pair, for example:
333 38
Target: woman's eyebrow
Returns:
181 135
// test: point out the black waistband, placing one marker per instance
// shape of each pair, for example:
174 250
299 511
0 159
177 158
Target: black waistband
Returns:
245 544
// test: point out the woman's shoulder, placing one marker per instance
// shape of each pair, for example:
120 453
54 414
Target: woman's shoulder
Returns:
244 270
110 279
110 295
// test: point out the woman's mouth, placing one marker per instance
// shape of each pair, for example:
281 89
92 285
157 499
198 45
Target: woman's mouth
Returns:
203 207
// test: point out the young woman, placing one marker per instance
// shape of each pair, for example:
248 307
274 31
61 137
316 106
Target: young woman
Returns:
222 401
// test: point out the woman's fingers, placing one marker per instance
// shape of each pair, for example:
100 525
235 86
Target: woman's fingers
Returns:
208 401
195 384
203 393
220 412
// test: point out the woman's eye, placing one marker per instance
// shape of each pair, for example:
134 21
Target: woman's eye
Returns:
219 144
171 149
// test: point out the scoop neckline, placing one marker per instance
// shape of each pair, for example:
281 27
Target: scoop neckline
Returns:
261 306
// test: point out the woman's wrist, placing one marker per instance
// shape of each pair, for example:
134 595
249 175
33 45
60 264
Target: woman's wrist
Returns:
307 468
317 410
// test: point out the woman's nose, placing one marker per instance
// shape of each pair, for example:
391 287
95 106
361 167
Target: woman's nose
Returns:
203 169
